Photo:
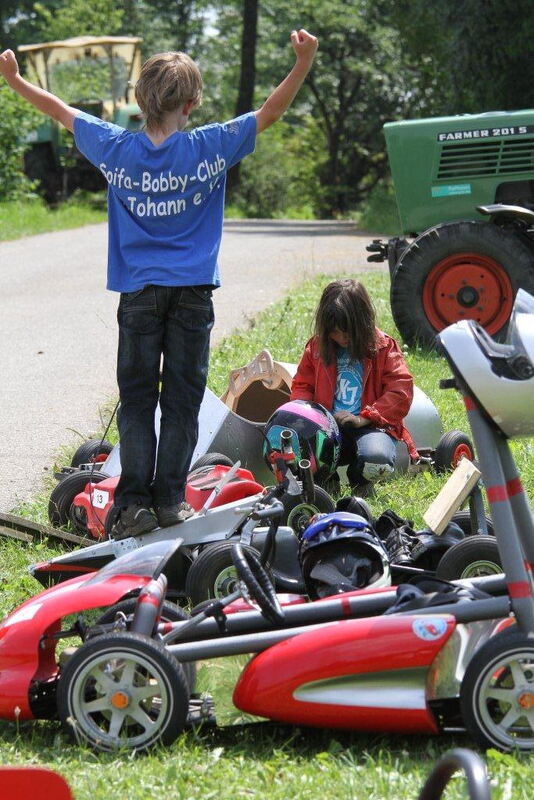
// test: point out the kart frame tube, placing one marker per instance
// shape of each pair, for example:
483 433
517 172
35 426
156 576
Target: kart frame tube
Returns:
510 511
464 611
332 610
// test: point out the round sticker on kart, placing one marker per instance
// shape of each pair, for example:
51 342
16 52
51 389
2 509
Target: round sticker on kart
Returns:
429 628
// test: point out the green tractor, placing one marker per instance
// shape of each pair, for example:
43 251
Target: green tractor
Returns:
465 194
94 74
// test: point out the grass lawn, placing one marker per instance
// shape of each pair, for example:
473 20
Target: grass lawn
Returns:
244 759
29 217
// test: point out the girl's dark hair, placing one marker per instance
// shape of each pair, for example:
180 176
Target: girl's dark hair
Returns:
346 305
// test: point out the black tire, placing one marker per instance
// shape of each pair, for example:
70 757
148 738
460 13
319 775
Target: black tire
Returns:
169 613
111 518
490 694
298 512
463 519
451 447
501 259
212 460
78 693
88 452
212 574
64 493
470 558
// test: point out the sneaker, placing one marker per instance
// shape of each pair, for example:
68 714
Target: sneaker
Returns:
172 515
398 544
134 521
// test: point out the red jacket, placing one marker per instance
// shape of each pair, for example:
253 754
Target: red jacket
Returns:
387 386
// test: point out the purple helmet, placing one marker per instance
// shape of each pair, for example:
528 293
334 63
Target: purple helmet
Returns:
315 435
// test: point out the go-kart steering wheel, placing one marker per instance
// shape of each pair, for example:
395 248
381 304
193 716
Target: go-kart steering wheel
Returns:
251 572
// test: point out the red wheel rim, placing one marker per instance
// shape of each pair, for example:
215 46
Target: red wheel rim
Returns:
468 286
100 458
461 451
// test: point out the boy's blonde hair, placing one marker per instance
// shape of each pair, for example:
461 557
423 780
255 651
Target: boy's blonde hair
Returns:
166 82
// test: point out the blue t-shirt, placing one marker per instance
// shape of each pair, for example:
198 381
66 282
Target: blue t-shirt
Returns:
165 202
349 383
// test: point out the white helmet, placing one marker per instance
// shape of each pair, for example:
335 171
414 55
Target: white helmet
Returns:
499 376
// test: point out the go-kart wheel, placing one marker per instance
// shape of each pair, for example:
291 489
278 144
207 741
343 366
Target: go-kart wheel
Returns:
212 574
64 493
298 512
470 558
463 520
93 451
260 587
123 690
451 447
212 460
497 693
169 613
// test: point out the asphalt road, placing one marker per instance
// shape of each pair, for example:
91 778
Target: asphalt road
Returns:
58 332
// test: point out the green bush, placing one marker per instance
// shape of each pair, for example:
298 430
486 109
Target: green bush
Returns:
379 212
278 179
16 121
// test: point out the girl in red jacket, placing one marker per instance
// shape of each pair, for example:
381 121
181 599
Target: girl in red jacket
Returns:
358 373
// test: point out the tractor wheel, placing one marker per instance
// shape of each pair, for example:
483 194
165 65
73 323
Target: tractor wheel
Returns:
459 270
497 693
451 447
93 451
64 493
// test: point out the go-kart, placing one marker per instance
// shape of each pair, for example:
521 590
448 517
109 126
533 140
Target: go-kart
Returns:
205 562
376 659
231 429
129 684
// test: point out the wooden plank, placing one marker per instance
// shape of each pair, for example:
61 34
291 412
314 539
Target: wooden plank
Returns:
38 531
11 533
452 496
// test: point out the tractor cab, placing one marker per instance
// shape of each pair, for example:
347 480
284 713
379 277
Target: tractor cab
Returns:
95 74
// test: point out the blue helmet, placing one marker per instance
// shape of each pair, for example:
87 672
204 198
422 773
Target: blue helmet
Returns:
340 552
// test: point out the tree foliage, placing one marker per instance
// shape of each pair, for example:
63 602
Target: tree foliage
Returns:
470 55
378 60
16 121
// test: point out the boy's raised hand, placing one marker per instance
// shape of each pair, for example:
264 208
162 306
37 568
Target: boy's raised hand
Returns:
8 64
304 44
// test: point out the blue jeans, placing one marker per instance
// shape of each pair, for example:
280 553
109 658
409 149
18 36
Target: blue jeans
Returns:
369 452
174 322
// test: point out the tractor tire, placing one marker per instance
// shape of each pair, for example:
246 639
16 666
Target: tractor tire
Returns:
459 270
